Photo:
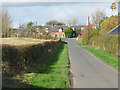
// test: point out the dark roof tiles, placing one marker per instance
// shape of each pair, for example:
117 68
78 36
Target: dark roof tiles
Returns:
23 31
115 30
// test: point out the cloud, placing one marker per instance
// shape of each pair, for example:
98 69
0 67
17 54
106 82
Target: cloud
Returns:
43 12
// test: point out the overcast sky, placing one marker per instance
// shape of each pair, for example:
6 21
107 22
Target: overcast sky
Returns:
41 12
57 0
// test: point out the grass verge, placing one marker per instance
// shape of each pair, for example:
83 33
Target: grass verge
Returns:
54 74
63 38
102 55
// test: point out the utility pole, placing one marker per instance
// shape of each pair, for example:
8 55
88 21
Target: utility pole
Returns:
88 31
36 23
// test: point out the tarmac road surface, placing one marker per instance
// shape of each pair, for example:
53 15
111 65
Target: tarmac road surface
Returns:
88 71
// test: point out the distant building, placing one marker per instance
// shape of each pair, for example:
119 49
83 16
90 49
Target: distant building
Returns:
54 30
14 30
82 28
57 28
60 29
77 27
23 32
46 30
58 34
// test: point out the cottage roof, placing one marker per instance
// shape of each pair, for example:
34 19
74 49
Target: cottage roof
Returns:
115 30
77 27
56 27
23 31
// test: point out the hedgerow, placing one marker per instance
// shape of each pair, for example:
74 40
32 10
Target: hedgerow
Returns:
16 58
108 43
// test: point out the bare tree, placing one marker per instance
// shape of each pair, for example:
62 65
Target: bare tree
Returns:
6 23
69 22
72 21
23 26
97 16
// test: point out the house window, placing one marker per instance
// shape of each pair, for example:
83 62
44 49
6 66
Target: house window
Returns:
46 29
56 35
63 35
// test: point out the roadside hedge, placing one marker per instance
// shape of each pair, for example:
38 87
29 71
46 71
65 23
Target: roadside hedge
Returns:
16 58
108 43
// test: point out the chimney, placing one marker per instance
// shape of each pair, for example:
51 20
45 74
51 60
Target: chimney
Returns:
52 25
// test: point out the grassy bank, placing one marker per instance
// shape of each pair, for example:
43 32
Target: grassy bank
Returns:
101 54
53 74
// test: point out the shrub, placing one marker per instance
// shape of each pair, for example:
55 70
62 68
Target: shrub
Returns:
108 24
108 43
92 33
85 38
40 36
49 37
78 32
54 38
68 32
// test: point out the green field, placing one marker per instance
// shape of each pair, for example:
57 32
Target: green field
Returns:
21 41
102 55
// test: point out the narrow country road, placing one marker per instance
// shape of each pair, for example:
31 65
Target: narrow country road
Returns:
88 71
